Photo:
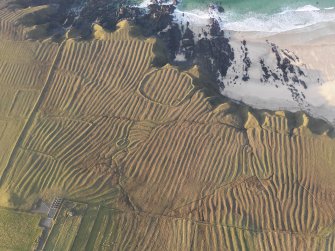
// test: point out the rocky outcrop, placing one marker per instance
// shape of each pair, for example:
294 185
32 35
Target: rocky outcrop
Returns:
184 44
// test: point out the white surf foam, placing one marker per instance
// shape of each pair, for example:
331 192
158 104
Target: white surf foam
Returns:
144 4
307 8
319 100
279 22
288 19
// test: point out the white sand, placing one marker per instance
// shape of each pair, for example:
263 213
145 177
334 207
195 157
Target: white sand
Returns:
315 46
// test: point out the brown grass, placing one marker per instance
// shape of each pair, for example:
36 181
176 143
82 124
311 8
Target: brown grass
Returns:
111 129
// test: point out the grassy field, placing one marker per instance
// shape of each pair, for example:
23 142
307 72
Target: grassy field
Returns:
24 68
103 229
86 226
65 230
18 231
157 163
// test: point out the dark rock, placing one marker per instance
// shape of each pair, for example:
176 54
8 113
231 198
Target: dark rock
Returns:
221 9
212 51
215 29
266 74
246 61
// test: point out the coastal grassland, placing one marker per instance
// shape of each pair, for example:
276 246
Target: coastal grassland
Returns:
11 20
80 116
24 68
64 231
73 227
86 226
18 230
160 164
104 228
109 229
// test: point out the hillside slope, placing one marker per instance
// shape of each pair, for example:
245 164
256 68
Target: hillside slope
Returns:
101 125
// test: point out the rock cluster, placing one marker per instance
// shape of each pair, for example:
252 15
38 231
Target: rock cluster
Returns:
210 49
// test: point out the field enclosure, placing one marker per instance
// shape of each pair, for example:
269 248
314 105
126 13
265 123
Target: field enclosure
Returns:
101 228
151 162
18 230
24 69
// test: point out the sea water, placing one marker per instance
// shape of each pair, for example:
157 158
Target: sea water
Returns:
257 6
271 17
265 15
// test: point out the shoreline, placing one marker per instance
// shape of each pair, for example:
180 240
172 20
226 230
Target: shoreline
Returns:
316 51
317 98
281 21
265 70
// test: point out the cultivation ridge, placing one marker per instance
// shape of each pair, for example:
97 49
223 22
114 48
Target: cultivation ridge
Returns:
100 125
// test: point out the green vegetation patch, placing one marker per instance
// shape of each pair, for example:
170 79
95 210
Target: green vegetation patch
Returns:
18 230
66 227
86 227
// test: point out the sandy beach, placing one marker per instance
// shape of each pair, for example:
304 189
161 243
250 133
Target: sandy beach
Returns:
289 69
315 48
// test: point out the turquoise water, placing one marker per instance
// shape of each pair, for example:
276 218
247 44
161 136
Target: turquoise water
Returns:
256 6
265 15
